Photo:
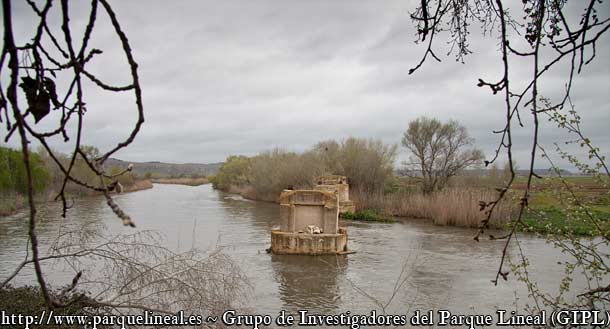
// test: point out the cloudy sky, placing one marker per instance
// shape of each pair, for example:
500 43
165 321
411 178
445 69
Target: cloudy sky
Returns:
241 77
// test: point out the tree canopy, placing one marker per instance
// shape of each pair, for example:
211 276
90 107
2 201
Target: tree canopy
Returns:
439 151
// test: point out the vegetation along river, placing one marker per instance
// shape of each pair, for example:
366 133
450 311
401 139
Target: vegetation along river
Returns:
444 267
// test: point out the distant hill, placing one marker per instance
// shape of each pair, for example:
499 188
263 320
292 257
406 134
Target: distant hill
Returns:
162 169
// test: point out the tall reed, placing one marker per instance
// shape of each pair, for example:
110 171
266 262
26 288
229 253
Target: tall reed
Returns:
451 206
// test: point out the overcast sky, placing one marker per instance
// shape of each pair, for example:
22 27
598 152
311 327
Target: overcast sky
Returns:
241 77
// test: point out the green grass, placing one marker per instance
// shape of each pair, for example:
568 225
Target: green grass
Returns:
569 179
366 215
553 209
561 221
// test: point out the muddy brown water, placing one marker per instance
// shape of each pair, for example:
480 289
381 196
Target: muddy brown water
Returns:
446 269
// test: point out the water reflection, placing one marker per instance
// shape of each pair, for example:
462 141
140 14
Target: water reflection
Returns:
14 240
260 215
309 282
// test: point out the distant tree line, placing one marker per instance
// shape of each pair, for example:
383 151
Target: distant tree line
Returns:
438 152
46 176
13 174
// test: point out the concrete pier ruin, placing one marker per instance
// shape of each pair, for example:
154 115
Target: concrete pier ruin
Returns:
309 224
337 184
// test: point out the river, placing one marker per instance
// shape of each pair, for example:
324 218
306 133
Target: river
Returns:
446 269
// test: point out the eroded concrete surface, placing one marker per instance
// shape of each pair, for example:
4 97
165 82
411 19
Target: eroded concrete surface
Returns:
337 184
309 224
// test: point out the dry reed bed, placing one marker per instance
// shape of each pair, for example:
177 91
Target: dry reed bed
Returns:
454 206
139 185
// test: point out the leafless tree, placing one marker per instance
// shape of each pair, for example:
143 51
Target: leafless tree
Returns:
438 151
367 163
136 272
545 35
33 66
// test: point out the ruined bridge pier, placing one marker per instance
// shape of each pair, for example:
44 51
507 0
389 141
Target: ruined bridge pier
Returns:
309 219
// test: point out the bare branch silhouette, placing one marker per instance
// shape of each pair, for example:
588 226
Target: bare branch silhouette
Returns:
34 69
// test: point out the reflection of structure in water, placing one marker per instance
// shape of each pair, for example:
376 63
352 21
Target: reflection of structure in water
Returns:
310 283
309 224
337 184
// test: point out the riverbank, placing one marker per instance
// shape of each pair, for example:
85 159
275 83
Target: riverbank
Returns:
11 204
452 207
248 192
139 185
460 207
366 216
182 181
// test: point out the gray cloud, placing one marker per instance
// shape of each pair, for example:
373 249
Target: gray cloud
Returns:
238 77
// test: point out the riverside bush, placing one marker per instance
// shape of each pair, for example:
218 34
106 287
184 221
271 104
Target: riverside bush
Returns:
367 163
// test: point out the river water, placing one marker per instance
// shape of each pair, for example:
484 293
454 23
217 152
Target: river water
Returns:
445 268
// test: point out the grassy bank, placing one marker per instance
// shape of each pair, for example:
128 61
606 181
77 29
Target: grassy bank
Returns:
455 207
139 185
548 211
367 216
182 181
576 205
562 221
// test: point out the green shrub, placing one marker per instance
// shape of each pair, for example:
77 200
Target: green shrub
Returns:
367 163
366 215
276 170
13 176
235 171
558 220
